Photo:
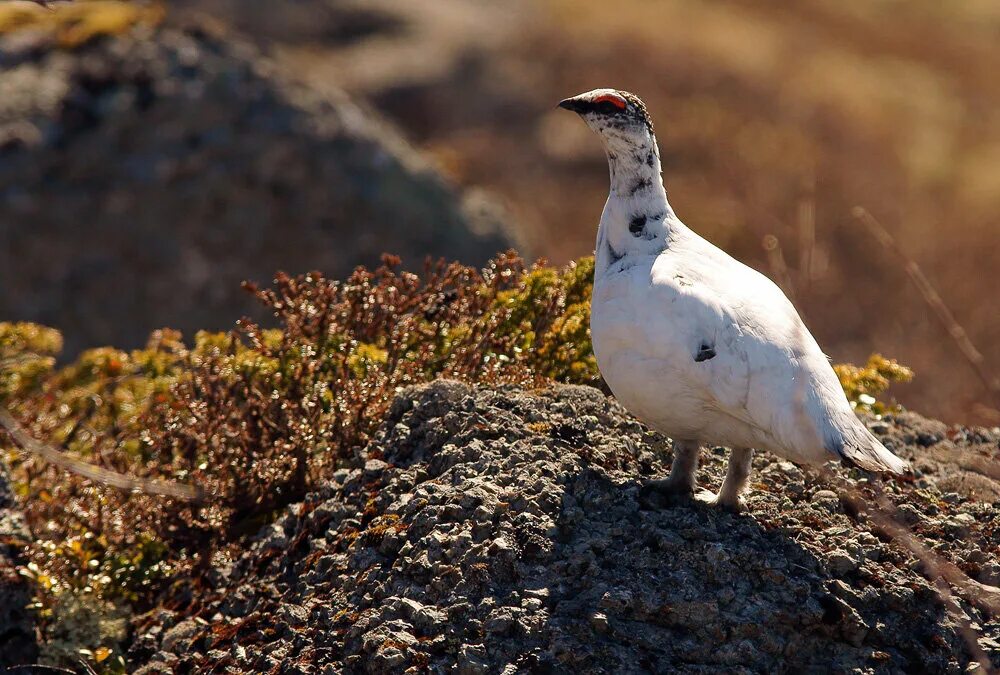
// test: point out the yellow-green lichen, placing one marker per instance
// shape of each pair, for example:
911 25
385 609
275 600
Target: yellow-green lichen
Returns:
73 24
258 416
865 384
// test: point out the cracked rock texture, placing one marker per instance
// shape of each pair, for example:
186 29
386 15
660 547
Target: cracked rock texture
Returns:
496 530
143 176
17 627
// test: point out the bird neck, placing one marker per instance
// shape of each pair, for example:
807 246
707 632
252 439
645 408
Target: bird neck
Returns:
637 218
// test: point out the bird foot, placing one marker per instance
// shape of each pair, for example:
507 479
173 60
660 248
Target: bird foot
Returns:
666 492
734 504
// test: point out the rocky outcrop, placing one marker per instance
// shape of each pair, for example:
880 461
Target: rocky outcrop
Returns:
144 175
496 530
17 626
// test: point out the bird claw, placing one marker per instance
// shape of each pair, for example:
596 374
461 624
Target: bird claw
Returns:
733 505
665 492
661 493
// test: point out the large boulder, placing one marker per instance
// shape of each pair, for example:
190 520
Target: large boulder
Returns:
496 530
145 174
17 626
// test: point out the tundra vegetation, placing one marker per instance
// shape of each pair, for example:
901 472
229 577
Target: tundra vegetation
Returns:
258 416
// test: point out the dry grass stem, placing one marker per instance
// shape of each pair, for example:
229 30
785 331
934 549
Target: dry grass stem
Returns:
779 268
807 235
96 473
940 572
934 300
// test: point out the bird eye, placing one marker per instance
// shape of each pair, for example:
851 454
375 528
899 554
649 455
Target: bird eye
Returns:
609 104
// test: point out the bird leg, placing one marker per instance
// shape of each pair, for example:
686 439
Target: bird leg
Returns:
681 481
736 479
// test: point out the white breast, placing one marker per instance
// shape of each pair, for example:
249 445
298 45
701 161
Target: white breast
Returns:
645 337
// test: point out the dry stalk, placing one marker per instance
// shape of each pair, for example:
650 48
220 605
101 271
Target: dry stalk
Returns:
934 300
940 572
779 268
95 473
807 234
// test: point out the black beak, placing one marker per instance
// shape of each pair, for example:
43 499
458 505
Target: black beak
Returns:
576 105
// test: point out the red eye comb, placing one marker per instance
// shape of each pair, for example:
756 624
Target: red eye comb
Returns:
616 101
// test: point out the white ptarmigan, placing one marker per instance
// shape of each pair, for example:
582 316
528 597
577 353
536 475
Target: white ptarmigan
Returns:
696 344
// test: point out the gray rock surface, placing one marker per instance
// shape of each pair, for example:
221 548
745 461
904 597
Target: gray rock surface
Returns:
17 626
499 531
143 176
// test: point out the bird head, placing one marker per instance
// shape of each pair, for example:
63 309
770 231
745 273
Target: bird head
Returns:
618 117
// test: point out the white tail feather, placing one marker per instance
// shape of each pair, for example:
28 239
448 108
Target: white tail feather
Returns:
859 447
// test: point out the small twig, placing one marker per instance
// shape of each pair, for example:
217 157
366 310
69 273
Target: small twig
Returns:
807 234
934 300
87 667
19 360
43 3
96 473
940 572
776 259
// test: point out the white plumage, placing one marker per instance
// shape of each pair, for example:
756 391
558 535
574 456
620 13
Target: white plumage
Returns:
693 342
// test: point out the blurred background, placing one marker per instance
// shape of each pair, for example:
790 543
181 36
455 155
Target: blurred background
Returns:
154 155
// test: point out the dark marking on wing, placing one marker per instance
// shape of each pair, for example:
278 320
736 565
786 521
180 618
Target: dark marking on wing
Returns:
705 353
658 216
638 225
649 159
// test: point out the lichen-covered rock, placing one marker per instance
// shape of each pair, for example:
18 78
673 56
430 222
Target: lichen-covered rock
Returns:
17 625
145 174
496 530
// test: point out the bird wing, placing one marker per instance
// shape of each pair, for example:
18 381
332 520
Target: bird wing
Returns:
765 369
701 334
756 374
